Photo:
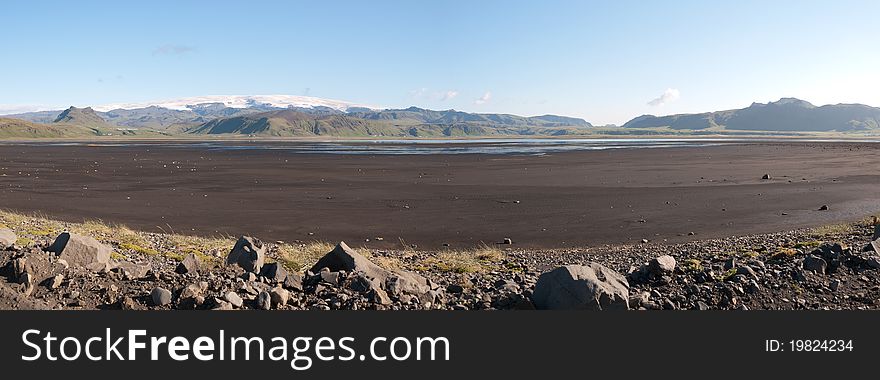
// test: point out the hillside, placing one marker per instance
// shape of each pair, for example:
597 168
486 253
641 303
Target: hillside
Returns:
15 128
86 117
412 122
785 115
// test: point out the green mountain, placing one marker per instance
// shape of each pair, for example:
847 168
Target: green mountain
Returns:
86 117
785 115
417 115
15 128
411 122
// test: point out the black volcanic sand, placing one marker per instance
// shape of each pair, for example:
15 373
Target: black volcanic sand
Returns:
557 200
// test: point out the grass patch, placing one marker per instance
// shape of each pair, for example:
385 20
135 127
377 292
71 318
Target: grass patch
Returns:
727 275
693 265
783 253
465 261
808 244
298 257
751 254
831 230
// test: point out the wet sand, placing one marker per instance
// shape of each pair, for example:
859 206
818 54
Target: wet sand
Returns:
556 200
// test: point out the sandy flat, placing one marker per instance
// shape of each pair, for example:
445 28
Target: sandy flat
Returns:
556 200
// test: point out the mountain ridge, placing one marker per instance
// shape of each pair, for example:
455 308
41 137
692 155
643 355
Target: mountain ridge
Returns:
784 115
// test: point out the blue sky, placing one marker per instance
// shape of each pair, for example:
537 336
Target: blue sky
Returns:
605 61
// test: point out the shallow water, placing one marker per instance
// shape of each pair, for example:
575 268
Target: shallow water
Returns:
535 146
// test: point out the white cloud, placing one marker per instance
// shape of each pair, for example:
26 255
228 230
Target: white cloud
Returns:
171 49
448 95
425 93
669 96
9 109
484 99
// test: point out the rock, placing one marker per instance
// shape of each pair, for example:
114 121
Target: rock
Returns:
590 287
55 281
662 265
454 288
507 241
875 246
834 285
7 238
193 291
766 176
79 250
133 271
190 264
815 264
294 281
360 283
330 277
343 258
379 296
279 297
27 282
823 208
747 271
19 268
876 235
127 303
264 301
274 272
161 296
637 300
873 262
234 299
702 305
399 283
222 305
249 253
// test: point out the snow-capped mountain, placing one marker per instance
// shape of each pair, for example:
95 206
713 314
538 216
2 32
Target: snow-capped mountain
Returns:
239 101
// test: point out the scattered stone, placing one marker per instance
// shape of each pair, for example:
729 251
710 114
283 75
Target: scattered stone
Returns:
294 281
7 238
343 258
815 264
454 288
264 301
222 305
747 271
279 297
873 262
127 303
133 271
249 253
190 264
330 277
662 265
27 283
274 272
234 299
79 250
590 287
55 281
379 296
161 296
